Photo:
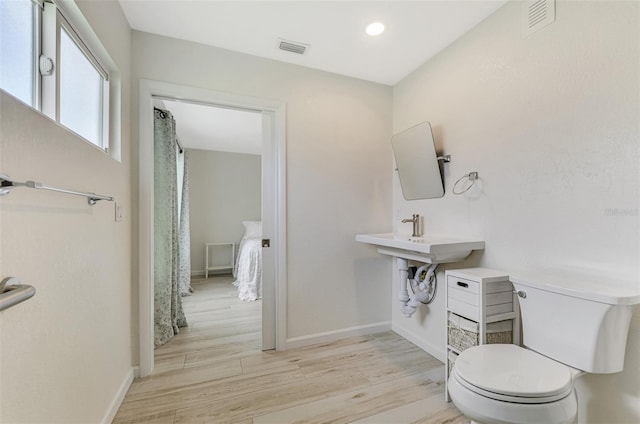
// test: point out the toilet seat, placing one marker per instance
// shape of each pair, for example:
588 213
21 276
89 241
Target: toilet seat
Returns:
513 374
483 409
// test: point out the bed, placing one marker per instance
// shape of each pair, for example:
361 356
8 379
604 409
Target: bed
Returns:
248 267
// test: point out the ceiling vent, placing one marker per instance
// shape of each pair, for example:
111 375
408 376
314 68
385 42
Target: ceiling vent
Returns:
537 14
293 46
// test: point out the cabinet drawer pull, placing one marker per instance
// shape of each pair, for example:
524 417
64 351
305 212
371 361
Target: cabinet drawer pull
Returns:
461 284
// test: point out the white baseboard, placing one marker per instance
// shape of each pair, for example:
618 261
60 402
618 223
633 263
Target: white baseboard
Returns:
331 336
216 272
437 352
119 397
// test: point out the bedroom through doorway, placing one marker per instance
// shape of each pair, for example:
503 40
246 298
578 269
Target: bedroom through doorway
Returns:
273 214
222 163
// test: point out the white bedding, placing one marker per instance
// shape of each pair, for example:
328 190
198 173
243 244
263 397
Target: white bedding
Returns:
249 269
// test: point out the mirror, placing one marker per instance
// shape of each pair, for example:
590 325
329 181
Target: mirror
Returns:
417 163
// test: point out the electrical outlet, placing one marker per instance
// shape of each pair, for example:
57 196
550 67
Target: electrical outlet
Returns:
118 212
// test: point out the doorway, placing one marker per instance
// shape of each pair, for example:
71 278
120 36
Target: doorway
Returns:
218 154
273 208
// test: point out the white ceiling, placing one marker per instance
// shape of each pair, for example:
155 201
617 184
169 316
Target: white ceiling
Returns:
415 32
213 128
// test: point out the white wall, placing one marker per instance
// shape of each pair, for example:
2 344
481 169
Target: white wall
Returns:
550 122
224 190
338 173
66 353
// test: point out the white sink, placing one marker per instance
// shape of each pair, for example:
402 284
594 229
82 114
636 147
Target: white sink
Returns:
428 249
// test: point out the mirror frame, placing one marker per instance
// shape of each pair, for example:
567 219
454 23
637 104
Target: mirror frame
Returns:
417 163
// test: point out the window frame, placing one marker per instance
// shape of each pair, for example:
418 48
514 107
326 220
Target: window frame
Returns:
50 18
36 43
54 21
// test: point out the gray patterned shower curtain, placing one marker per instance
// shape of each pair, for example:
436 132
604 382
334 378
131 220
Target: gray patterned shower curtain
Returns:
184 236
168 313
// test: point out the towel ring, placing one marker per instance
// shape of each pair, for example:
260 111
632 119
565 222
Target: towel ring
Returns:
470 177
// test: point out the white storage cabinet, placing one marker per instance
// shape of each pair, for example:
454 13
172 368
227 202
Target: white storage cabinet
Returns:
481 308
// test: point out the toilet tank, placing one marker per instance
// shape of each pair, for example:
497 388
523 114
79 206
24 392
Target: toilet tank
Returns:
577 322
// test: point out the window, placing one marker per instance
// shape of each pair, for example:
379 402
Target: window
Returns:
51 59
82 88
17 49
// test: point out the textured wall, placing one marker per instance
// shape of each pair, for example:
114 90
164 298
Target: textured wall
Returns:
338 173
66 353
550 122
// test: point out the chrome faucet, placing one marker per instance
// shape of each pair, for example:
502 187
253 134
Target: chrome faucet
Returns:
416 224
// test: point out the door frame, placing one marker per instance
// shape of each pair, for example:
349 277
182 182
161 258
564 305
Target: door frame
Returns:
273 208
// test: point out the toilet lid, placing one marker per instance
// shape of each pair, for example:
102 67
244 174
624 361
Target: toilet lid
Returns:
513 371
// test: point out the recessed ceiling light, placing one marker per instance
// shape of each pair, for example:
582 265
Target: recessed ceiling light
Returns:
375 28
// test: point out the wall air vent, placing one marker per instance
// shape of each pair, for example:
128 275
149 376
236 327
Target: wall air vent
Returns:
292 46
537 14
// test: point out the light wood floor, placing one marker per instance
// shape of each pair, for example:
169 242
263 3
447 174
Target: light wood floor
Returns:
214 372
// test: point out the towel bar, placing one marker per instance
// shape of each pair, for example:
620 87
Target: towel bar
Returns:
6 184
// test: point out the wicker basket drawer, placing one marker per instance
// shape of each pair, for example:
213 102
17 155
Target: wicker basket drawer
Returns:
452 360
463 333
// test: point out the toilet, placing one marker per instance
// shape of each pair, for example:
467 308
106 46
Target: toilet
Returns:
569 327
